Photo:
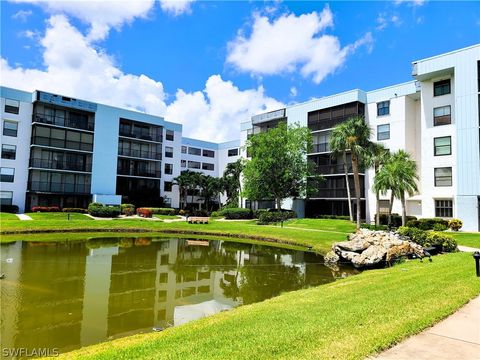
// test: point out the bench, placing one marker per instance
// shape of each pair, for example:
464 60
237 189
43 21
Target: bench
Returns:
198 220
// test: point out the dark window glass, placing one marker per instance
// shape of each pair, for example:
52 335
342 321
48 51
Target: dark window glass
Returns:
442 115
7 174
9 151
194 165
169 135
183 163
10 128
168 151
442 146
441 87
443 176
383 108
383 132
12 106
167 186
443 208
209 153
233 152
6 197
168 169
194 151
207 166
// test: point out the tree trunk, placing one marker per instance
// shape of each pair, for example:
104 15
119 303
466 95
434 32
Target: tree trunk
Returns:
392 198
240 192
356 179
279 204
404 210
349 196
377 215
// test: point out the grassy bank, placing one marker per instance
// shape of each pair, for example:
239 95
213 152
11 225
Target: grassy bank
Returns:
347 319
467 239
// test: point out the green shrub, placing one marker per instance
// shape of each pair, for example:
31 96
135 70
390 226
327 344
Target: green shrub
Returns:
415 234
215 214
270 217
427 223
439 227
237 213
182 212
455 224
258 212
75 210
162 211
373 227
127 209
396 219
13 209
100 210
446 242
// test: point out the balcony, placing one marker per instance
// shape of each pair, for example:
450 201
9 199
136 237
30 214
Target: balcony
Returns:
140 172
60 165
153 155
317 148
332 169
142 133
317 125
334 193
73 120
55 187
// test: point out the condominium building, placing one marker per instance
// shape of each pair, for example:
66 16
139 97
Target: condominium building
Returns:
434 117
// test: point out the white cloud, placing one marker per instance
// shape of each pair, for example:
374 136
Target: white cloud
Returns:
74 68
384 20
100 15
411 2
289 43
215 114
176 7
22 15
293 91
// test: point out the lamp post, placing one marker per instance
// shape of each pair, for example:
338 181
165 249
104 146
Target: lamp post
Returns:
476 256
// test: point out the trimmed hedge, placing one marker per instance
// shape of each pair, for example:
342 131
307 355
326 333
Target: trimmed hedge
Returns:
100 210
396 219
75 210
427 223
271 217
258 212
45 209
162 211
237 213
13 209
442 241
144 212
127 209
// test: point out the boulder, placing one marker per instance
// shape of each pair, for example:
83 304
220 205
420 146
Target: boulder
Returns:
331 257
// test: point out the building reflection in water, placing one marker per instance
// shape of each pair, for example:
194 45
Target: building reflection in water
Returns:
73 294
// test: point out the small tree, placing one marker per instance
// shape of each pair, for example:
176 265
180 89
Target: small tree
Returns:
233 181
279 167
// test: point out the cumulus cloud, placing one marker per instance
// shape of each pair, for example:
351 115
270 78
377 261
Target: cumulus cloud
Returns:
176 7
215 113
100 15
74 68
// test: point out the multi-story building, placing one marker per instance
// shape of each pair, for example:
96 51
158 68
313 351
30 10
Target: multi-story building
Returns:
435 118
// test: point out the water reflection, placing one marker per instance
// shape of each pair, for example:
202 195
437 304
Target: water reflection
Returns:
73 294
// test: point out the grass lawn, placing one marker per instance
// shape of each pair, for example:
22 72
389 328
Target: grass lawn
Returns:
467 239
8 216
163 217
348 319
57 216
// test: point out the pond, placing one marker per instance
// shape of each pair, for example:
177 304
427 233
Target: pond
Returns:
65 295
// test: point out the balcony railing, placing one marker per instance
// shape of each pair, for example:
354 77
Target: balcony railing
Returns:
142 135
77 122
331 169
60 165
154 155
138 172
320 148
334 193
325 124
55 187
61 143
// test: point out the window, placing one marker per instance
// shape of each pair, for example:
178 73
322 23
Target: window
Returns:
7 174
6 197
442 146
383 132
233 152
12 106
209 153
384 206
10 128
167 186
443 208
207 166
441 87
320 142
383 108
168 169
194 165
183 163
184 149
168 151
194 151
9 151
442 116
169 135
443 176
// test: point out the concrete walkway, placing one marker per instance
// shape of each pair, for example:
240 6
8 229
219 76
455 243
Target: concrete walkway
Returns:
23 217
456 337
467 249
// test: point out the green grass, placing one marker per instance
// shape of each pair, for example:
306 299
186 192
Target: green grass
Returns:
467 239
348 319
322 224
57 216
163 217
8 216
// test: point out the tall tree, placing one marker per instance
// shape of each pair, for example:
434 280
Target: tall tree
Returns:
233 182
279 167
183 181
210 188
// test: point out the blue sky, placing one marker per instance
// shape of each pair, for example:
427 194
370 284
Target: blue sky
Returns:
210 65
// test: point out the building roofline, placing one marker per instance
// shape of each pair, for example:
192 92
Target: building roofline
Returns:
446 54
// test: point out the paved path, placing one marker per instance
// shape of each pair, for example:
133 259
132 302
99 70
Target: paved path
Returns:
456 337
467 249
23 217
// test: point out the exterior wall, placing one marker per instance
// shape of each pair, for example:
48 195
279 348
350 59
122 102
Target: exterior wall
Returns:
21 141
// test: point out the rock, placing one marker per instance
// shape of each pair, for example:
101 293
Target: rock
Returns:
353 245
372 256
331 257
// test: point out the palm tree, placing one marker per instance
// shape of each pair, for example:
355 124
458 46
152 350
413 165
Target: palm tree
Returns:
232 175
338 146
356 139
210 188
183 182
376 156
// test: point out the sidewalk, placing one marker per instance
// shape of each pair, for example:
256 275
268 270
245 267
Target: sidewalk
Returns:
456 337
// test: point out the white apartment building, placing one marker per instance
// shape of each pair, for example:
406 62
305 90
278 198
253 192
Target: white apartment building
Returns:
435 118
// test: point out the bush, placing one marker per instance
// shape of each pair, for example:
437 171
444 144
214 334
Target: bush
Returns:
9 208
182 212
100 210
237 213
270 217
396 219
127 209
439 227
338 217
373 227
45 209
258 212
75 210
443 242
145 212
215 214
455 224
162 211
427 223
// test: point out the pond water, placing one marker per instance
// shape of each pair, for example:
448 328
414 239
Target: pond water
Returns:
65 295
